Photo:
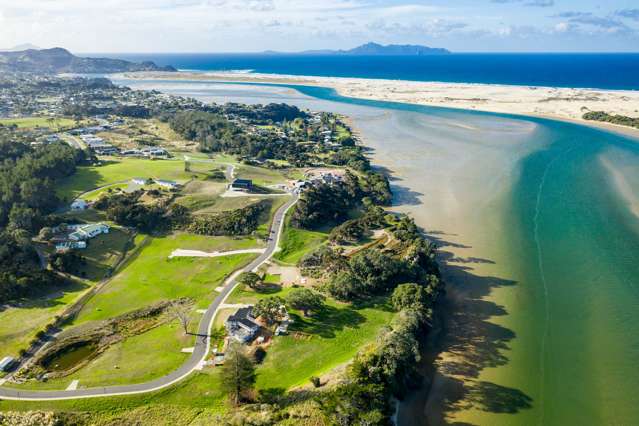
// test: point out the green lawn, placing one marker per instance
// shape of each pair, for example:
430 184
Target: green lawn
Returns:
31 122
19 324
94 195
150 276
102 253
260 175
135 360
195 400
318 344
242 294
114 171
296 243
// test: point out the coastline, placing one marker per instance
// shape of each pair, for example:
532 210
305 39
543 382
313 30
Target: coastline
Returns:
543 102
490 346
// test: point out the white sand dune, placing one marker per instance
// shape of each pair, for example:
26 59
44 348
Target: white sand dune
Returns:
552 102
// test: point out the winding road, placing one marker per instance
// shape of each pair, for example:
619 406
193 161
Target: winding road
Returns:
202 343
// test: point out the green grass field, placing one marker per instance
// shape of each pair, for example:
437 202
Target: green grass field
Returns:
196 400
94 195
296 243
19 324
102 254
259 175
114 171
135 360
32 122
320 343
150 276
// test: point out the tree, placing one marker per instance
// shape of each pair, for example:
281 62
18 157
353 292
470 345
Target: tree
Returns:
250 279
183 315
345 286
355 404
270 309
238 372
415 296
306 300
45 233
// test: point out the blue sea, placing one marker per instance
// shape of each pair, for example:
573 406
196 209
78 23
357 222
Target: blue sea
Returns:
592 70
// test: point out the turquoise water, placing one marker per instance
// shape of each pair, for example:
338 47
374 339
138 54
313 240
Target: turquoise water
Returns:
575 241
547 283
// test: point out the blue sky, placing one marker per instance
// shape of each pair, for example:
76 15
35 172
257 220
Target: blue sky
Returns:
291 25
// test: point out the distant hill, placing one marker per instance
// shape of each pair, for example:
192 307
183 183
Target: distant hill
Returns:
20 47
394 50
58 60
375 49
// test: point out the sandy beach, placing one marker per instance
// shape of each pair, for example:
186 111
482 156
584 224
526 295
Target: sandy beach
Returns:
550 102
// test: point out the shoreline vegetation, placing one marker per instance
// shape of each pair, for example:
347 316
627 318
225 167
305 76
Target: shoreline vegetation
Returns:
568 104
374 277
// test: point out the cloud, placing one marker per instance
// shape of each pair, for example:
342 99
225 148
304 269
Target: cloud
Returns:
534 3
587 22
571 15
628 13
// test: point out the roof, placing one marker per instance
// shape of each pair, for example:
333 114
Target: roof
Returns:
242 182
93 227
6 361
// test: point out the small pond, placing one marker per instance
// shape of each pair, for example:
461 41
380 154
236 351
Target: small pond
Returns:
70 357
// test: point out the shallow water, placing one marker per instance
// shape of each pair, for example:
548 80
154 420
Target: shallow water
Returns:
538 229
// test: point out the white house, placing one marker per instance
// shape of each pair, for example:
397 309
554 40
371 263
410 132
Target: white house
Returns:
79 204
166 183
86 232
139 181
6 363
68 245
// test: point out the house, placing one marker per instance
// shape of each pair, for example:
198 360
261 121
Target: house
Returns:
166 183
245 185
79 204
68 245
6 363
139 181
86 232
131 152
242 326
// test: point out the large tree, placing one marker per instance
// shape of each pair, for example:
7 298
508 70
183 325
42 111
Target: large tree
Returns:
411 295
270 309
306 300
238 372
250 279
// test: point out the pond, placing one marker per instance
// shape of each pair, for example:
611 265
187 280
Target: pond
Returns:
70 357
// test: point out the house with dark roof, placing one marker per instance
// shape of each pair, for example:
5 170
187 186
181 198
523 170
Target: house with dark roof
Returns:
241 185
242 325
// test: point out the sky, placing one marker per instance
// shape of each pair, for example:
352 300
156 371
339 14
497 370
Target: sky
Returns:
292 25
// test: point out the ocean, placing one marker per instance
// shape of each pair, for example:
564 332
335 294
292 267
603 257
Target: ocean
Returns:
619 71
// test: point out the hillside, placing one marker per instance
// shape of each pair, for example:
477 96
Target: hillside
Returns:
59 60
376 49
394 50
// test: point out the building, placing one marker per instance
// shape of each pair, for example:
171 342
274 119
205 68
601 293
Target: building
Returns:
79 204
6 363
86 232
166 183
242 326
68 245
139 181
241 185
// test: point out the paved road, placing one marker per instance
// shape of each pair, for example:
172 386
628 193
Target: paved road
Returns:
202 344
